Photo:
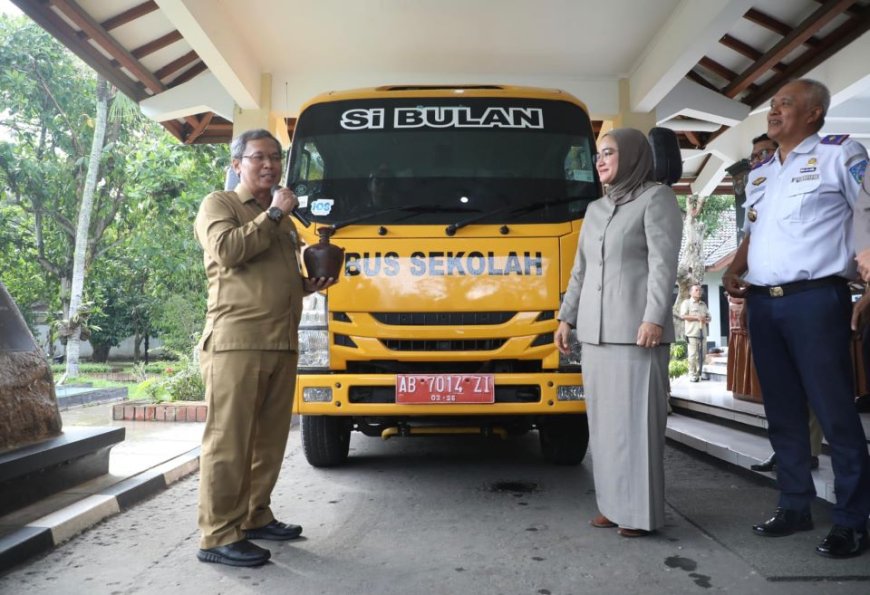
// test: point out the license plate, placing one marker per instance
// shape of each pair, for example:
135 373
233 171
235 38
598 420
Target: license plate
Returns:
427 389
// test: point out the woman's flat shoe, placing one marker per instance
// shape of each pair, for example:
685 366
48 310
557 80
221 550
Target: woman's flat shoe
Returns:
602 522
626 532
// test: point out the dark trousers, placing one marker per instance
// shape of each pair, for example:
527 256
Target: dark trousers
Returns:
801 349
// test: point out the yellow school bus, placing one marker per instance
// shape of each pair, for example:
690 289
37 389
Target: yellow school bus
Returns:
458 208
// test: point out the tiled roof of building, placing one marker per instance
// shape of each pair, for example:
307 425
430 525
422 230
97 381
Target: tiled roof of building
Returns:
722 242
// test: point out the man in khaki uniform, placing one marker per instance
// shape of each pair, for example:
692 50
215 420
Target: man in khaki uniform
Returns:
248 352
696 316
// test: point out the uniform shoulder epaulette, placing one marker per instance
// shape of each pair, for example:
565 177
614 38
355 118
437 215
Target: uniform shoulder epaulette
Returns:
834 139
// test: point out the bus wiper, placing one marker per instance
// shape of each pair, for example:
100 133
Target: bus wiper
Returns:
407 209
512 209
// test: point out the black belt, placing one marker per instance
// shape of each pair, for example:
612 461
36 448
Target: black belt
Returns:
795 287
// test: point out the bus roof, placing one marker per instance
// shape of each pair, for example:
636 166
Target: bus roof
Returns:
466 90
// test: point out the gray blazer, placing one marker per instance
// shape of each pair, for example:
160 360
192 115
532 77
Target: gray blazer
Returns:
625 268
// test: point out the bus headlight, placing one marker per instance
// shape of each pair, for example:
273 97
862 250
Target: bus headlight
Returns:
314 333
317 394
570 393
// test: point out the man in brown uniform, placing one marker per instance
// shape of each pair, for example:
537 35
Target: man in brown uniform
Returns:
248 352
696 316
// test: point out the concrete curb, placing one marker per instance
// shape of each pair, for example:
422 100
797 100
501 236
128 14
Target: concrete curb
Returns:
43 534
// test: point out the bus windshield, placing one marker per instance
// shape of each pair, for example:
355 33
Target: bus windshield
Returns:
442 160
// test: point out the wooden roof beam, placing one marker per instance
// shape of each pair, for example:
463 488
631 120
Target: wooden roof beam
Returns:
157 44
746 50
717 68
694 76
820 17
725 73
693 138
854 10
176 65
129 15
95 31
45 17
197 130
771 24
838 39
188 74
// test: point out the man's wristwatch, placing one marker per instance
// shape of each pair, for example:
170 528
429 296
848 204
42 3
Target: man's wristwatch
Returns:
275 214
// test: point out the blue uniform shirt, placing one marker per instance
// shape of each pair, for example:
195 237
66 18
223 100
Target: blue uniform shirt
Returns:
799 213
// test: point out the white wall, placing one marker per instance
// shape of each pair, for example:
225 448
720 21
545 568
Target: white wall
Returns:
717 334
122 351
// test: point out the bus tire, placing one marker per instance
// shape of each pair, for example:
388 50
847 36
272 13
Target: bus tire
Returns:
325 439
564 438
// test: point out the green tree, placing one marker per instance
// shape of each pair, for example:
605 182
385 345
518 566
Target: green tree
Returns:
702 218
145 196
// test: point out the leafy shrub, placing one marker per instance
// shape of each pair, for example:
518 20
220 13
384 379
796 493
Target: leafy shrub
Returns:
182 382
155 367
679 350
149 389
186 385
678 367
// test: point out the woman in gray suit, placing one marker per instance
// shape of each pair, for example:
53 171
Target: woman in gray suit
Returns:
619 299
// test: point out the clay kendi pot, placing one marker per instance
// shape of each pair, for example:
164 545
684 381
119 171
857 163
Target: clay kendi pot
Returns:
323 259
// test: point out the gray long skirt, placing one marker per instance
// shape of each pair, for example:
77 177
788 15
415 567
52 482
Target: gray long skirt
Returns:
626 389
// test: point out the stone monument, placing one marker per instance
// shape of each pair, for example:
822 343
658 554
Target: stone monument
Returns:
28 404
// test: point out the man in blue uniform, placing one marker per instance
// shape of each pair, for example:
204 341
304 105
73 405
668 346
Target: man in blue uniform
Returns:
797 255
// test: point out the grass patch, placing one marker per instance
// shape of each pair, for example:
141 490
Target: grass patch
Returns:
93 382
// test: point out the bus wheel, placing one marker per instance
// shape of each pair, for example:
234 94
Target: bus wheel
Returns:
325 439
564 438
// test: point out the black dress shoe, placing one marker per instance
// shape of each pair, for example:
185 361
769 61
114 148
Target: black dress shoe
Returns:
784 522
240 553
843 542
275 531
767 465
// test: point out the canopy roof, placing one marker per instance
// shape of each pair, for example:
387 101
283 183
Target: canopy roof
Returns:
704 68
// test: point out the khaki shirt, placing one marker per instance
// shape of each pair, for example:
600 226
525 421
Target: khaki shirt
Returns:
690 307
254 281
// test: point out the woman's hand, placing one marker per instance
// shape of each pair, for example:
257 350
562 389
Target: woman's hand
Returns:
863 259
318 284
649 334
859 308
562 337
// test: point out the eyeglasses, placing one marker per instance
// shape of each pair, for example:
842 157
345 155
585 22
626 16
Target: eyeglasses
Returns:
604 154
259 158
761 155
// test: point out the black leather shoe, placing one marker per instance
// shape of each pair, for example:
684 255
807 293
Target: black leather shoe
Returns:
240 553
768 465
843 542
784 522
275 531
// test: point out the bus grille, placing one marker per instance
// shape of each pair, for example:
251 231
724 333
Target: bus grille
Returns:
443 344
442 318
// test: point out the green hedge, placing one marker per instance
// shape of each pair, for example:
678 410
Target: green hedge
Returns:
84 368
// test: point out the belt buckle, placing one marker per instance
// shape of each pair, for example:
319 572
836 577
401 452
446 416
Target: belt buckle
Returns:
775 291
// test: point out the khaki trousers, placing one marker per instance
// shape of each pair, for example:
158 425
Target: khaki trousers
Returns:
249 396
697 349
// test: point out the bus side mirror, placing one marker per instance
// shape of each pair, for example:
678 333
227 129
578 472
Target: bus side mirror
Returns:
667 160
231 180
